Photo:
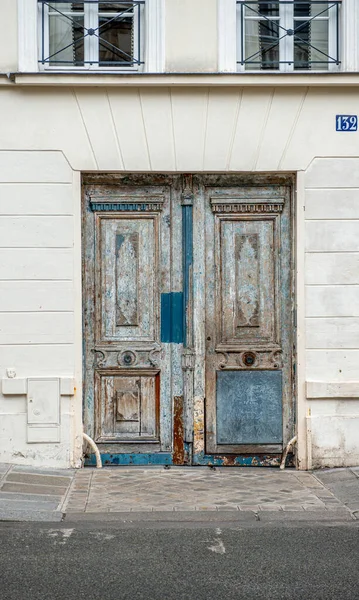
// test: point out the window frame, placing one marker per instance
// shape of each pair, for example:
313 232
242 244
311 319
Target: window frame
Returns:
91 44
286 20
153 39
228 43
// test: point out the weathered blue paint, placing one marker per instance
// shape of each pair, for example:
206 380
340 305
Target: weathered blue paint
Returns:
160 458
249 407
108 206
188 453
200 460
231 460
187 254
172 318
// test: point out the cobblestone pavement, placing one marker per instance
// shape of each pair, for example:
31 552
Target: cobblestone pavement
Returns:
199 489
53 495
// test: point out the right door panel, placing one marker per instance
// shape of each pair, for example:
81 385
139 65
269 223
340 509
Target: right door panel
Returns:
249 396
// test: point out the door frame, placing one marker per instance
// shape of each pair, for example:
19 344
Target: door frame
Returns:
192 405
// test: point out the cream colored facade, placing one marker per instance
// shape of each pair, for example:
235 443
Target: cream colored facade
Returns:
189 118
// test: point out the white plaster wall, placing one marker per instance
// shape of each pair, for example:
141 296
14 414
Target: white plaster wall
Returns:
38 296
8 38
332 308
191 36
49 135
179 129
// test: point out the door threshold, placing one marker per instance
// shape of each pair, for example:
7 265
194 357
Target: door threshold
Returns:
119 459
200 460
235 460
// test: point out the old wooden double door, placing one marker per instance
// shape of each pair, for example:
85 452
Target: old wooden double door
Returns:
188 320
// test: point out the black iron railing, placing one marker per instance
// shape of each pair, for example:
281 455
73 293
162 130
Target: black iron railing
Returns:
91 33
296 33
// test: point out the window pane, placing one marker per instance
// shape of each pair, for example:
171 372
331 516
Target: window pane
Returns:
266 9
114 7
311 44
302 9
66 7
262 44
66 32
116 39
307 9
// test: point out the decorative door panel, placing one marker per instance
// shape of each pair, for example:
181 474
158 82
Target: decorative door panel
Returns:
248 288
249 396
259 396
129 263
128 406
127 270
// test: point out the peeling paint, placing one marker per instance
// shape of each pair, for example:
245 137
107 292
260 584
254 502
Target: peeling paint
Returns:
198 426
160 458
178 432
234 460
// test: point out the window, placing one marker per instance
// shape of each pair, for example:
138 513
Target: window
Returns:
288 35
91 34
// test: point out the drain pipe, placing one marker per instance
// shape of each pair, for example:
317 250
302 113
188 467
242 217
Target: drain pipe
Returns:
287 448
95 449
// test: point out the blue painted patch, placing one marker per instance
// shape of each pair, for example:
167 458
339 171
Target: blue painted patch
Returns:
159 458
172 318
201 459
187 251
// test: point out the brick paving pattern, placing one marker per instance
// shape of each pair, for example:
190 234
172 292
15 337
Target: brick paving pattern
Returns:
50 495
197 489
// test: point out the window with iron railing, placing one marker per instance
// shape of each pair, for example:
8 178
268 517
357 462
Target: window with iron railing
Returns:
91 34
288 35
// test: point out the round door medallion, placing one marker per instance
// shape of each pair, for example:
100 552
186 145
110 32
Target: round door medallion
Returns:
249 359
127 358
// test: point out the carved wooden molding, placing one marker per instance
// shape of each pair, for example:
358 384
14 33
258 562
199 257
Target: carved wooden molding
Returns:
127 268
248 288
133 356
260 359
251 206
188 359
187 195
120 204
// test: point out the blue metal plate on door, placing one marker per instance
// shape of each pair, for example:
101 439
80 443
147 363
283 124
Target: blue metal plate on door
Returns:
249 407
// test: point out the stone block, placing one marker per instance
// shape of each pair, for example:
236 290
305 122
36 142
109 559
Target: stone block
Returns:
26 505
24 488
35 479
30 515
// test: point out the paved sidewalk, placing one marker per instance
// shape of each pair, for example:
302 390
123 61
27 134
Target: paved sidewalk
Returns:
54 495
344 485
29 494
199 489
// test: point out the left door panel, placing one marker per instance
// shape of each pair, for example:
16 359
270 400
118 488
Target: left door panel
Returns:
126 269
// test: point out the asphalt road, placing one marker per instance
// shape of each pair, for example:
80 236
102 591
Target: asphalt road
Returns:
114 561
